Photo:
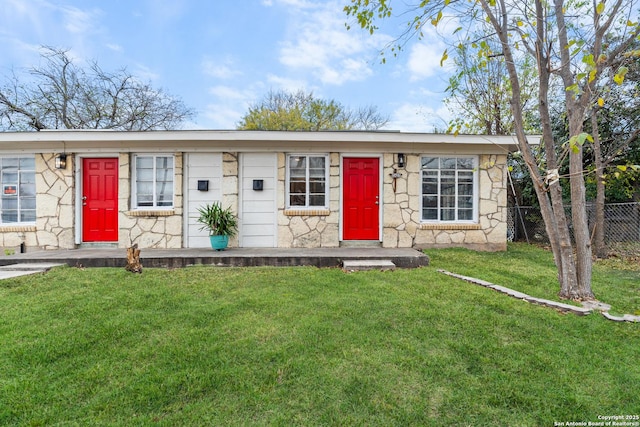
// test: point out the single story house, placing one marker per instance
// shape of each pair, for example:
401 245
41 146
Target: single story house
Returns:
67 189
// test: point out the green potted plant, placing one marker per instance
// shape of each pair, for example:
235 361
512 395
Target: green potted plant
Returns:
220 223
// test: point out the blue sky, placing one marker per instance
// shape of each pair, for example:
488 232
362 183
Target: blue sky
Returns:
220 56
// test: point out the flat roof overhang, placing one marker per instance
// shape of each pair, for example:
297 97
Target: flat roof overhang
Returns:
88 141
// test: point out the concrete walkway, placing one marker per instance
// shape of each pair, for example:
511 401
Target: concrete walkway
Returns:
236 257
23 269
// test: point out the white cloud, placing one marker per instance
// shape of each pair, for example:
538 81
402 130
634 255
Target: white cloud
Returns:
228 93
290 85
425 57
298 4
418 118
424 61
321 45
43 22
114 47
228 106
221 69
144 73
163 12
223 116
78 21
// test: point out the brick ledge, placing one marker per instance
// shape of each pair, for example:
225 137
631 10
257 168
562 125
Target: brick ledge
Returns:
17 228
307 212
442 226
151 213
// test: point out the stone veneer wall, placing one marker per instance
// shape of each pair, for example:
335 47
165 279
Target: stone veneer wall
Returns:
55 200
149 229
54 210
402 225
299 228
230 186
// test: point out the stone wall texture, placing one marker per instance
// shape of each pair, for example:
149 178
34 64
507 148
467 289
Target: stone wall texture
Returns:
230 187
299 228
401 224
149 229
55 218
490 234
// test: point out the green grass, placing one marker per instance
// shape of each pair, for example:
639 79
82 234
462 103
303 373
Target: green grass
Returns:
529 269
306 346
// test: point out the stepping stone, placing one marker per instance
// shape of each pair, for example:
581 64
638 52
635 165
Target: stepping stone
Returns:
596 305
369 264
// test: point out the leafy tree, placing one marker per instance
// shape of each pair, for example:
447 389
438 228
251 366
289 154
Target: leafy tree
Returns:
566 41
303 111
63 95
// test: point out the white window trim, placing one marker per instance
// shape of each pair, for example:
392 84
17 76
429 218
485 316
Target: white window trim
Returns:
476 184
18 223
134 179
326 180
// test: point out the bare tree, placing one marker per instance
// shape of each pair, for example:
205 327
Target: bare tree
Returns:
61 95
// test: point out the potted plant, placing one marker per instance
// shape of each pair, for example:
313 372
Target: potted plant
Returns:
220 223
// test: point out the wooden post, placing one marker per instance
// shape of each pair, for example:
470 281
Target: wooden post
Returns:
133 259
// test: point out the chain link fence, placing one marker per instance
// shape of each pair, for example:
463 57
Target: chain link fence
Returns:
621 224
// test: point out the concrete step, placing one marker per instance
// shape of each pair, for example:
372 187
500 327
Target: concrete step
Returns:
360 244
369 264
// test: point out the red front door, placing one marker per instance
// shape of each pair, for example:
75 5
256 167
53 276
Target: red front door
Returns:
100 200
361 199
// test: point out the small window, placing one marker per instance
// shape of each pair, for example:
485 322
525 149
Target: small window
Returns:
153 184
18 186
449 189
307 181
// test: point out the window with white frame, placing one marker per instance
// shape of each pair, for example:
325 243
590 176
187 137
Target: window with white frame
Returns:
449 188
18 186
307 177
153 182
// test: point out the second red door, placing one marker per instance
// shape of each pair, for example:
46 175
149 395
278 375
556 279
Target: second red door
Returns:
361 198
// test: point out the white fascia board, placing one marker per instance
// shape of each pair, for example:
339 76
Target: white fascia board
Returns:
238 141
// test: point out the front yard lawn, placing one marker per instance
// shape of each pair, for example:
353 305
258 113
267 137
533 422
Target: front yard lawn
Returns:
307 346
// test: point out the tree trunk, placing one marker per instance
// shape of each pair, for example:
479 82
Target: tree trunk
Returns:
582 290
554 214
598 227
133 259
574 269
550 197
576 106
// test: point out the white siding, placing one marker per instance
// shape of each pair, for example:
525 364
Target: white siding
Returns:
207 167
258 208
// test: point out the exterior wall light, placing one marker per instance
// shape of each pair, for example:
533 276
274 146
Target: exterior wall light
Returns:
401 160
61 161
